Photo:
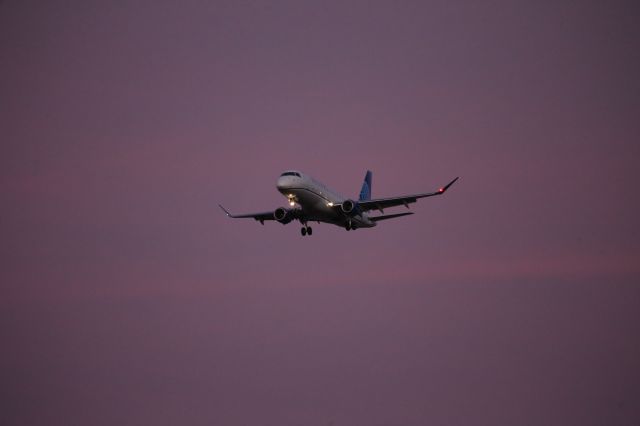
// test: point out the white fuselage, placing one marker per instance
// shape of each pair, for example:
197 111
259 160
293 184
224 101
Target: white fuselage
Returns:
318 202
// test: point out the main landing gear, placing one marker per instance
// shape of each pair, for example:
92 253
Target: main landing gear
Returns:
306 230
350 226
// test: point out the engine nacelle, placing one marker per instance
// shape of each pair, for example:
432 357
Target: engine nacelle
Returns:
349 207
283 215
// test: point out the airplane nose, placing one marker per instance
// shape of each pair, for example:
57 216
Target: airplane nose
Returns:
281 183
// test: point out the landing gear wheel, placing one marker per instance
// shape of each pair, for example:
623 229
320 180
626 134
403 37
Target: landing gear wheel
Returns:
303 231
309 230
348 226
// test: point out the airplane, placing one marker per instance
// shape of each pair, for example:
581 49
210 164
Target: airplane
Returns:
312 201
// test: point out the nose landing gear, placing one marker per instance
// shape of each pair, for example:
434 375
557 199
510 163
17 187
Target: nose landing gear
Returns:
306 230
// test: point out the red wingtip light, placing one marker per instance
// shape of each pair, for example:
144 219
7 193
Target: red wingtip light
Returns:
441 190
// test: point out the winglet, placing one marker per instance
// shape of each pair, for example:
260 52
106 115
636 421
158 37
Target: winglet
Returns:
225 210
444 188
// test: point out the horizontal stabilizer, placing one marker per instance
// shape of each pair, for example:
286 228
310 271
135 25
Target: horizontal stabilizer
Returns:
389 216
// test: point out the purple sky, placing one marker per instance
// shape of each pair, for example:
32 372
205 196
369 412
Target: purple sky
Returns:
127 297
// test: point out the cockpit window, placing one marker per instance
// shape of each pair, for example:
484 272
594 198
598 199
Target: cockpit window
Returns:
290 174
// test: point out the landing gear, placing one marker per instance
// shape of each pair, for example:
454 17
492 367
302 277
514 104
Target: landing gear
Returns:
350 226
306 230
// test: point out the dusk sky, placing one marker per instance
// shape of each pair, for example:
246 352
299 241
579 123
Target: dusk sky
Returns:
128 297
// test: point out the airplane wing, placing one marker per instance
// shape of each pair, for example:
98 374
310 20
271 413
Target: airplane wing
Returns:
257 216
382 203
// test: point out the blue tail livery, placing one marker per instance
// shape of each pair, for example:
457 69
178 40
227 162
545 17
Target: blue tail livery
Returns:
365 192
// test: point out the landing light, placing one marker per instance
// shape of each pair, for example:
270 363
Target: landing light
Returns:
330 204
291 203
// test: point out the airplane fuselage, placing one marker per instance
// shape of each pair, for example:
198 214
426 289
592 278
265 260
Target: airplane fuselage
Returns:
317 200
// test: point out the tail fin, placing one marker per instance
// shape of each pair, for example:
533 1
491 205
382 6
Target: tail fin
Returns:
365 192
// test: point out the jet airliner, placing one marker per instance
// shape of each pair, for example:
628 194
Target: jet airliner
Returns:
312 201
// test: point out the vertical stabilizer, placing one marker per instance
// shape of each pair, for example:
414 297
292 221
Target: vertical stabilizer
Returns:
365 192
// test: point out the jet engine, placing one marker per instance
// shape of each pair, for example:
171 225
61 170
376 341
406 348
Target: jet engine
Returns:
283 215
349 207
